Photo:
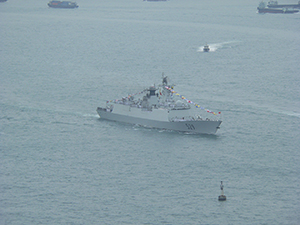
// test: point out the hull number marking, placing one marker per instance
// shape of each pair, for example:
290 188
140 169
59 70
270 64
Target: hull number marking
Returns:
190 126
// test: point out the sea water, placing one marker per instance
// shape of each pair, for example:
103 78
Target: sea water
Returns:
61 164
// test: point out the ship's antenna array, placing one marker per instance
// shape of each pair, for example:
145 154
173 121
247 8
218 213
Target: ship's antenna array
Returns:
164 79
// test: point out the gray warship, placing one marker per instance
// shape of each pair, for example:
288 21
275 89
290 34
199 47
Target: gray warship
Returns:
163 108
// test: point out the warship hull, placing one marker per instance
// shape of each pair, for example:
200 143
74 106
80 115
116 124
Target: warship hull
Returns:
160 119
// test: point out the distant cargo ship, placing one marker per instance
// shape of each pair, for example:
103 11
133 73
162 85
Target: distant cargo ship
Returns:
155 0
274 4
63 4
263 9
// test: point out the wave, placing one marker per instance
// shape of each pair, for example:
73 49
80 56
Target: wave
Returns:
242 105
91 115
287 113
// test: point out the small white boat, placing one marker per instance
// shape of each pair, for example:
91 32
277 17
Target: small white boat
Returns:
206 48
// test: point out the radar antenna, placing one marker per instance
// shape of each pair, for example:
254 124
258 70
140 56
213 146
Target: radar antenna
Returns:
165 79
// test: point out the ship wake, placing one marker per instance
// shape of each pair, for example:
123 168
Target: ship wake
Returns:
215 46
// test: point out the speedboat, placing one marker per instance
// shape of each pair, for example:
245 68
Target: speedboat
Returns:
206 48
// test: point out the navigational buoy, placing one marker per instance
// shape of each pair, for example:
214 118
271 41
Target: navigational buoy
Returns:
222 197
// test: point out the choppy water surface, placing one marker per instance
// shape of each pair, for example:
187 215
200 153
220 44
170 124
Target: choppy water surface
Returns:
61 164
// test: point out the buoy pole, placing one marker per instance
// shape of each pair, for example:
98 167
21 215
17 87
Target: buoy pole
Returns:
222 197
222 186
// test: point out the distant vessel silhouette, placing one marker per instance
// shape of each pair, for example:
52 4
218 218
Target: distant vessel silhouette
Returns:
262 8
155 0
274 4
206 48
63 4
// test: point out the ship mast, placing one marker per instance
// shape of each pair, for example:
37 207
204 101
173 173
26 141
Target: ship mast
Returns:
164 80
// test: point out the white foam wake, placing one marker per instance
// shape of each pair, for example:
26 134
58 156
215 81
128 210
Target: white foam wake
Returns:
215 46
